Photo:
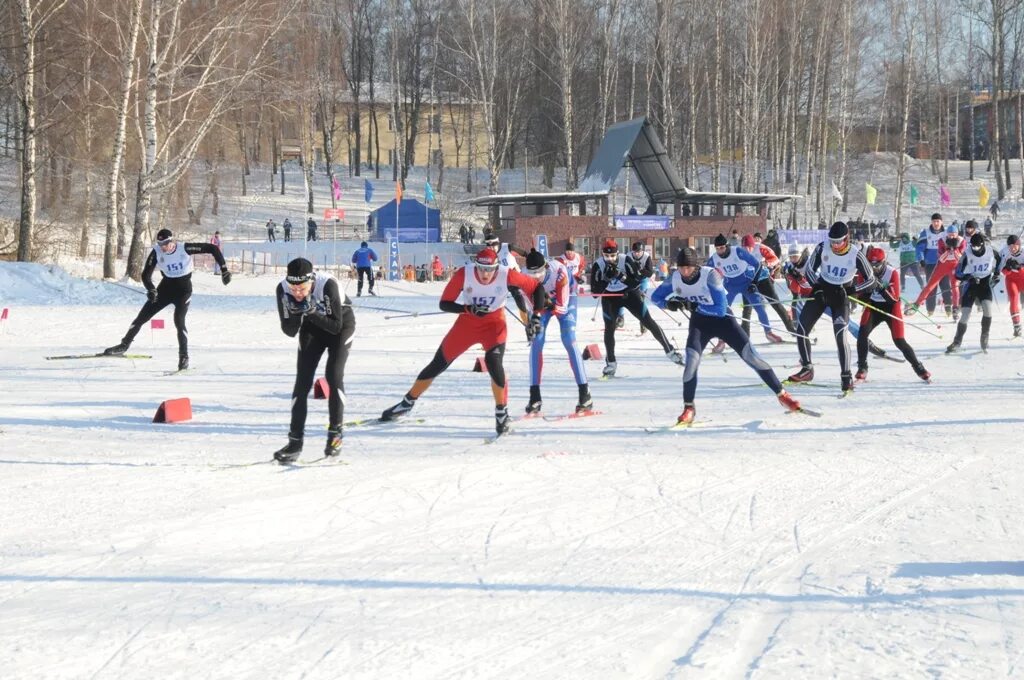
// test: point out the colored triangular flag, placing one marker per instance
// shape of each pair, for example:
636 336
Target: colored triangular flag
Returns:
428 193
983 196
367 190
336 186
944 198
836 193
398 191
913 195
870 193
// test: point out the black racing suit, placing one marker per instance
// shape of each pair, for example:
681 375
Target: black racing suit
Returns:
175 291
328 326
632 298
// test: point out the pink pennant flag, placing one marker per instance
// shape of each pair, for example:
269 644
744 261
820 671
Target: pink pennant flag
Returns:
156 323
337 188
3 315
944 196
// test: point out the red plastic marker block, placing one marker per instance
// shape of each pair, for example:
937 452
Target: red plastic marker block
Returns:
174 411
592 352
480 366
156 323
321 389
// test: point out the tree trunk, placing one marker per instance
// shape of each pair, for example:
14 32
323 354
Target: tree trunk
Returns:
26 224
120 125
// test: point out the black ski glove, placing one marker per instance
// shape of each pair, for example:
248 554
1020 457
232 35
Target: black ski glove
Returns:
478 309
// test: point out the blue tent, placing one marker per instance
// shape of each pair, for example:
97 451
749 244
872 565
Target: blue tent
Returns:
415 222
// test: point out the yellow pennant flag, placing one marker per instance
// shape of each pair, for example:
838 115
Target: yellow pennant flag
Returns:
983 196
870 193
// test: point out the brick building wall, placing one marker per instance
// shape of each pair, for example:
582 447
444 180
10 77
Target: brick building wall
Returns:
560 229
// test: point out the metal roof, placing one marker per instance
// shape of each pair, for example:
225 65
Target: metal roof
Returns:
633 143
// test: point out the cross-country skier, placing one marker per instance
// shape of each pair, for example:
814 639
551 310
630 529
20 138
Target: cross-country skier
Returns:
174 260
831 270
313 307
885 297
1012 256
644 266
576 265
741 271
617 277
928 252
950 249
363 258
556 281
484 286
701 290
978 270
765 285
800 288
908 259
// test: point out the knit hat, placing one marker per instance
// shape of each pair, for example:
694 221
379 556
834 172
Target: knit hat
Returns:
535 261
300 270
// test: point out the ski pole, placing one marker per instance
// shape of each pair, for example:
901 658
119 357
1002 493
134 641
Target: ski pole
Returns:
380 309
884 313
771 301
793 333
413 314
915 307
593 317
134 290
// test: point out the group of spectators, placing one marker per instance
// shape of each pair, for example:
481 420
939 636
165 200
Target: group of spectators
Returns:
286 226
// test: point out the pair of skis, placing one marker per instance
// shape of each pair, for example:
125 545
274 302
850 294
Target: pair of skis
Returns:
699 424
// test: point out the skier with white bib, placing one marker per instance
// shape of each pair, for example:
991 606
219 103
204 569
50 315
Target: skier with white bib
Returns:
701 290
313 307
832 271
174 260
978 272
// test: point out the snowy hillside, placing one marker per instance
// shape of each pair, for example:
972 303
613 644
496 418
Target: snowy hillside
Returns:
882 540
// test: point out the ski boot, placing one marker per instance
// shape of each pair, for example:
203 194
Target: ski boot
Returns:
956 314
502 420
399 409
359 293
986 326
291 452
117 350
862 374
805 374
182 362
373 292
922 373
773 338
333 447
586 403
718 348
609 370
847 382
533 408
954 347
687 416
1016 330
676 357
620 322
788 402
949 312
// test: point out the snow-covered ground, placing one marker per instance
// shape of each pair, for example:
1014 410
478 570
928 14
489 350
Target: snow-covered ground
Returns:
882 540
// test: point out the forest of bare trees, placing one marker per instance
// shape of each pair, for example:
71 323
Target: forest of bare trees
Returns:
114 110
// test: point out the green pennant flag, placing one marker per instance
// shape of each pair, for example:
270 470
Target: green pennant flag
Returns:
913 195
870 193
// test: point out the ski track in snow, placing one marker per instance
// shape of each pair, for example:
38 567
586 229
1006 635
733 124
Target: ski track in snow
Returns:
881 540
